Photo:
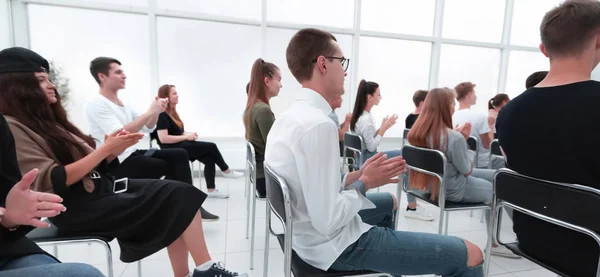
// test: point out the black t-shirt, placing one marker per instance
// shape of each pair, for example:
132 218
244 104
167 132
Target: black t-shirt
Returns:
410 120
166 122
553 133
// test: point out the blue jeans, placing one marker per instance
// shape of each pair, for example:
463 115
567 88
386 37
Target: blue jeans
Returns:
391 154
479 189
407 253
43 265
383 213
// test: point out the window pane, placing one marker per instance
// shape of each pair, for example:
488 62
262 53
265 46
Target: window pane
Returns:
400 68
137 3
474 20
210 76
520 65
337 13
73 46
277 41
398 16
471 64
527 17
247 9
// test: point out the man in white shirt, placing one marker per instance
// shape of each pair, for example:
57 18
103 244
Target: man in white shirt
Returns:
105 113
465 94
302 147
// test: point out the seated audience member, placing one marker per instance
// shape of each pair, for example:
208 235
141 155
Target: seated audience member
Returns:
342 128
265 83
145 215
464 183
480 128
535 78
105 113
363 124
329 233
418 99
20 256
549 132
170 133
494 106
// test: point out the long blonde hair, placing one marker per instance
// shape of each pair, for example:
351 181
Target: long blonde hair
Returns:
432 123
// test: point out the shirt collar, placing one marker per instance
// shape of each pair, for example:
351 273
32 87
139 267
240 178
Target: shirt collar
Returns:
315 99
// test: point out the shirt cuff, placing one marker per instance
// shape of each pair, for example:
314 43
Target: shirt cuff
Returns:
359 187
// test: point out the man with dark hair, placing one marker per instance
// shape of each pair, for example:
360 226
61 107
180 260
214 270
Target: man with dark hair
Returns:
105 113
535 78
465 94
302 147
542 143
418 100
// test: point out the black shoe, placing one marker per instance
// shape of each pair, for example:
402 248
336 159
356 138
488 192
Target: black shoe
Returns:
207 217
217 269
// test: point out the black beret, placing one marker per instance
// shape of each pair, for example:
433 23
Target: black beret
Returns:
19 59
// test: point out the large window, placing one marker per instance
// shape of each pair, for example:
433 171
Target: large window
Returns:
137 3
277 41
400 68
246 9
471 64
210 71
73 46
398 16
520 65
474 20
527 17
335 13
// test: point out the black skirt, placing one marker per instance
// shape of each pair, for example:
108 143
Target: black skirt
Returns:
148 217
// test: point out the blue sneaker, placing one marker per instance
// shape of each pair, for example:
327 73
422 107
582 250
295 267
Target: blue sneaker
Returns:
217 270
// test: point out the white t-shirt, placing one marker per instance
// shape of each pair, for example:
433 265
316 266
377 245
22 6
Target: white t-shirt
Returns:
479 126
105 117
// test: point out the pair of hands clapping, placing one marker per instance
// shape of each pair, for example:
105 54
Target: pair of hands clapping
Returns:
379 170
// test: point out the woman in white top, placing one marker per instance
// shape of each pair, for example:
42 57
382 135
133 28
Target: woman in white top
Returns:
363 124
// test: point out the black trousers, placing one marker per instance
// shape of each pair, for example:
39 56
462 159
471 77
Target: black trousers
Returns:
205 152
171 163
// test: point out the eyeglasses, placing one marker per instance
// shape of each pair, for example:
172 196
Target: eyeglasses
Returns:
345 62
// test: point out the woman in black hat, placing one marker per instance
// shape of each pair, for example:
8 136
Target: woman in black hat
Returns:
144 215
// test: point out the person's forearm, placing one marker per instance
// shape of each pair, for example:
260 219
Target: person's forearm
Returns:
169 139
77 170
152 120
352 177
380 131
341 134
137 124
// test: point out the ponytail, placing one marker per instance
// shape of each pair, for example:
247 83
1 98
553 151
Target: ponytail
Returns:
491 104
497 101
364 88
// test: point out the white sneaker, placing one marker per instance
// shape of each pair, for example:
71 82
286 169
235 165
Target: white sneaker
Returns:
233 174
502 251
420 214
217 194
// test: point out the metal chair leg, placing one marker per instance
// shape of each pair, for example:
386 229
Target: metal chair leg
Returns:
109 260
55 251
446 223
248 202
267 234
139 266
441 227
253 227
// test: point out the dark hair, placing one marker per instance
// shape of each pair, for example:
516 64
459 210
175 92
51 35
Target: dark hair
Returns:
497 100
22 98
257 89
306 46
364 88
419 97
535 78
247 87
566 29
101 65
463 89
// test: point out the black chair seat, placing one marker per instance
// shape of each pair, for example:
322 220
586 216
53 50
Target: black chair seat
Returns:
514 247
301 269
52 234
426 196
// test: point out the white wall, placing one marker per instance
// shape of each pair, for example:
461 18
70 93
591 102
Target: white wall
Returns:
5 39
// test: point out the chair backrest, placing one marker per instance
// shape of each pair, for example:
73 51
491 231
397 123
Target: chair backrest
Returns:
570 203
424 160
353 142
405 134
472 143
495 148
250 161
278 196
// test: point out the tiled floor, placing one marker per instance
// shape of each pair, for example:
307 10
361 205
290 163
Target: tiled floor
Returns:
227 240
